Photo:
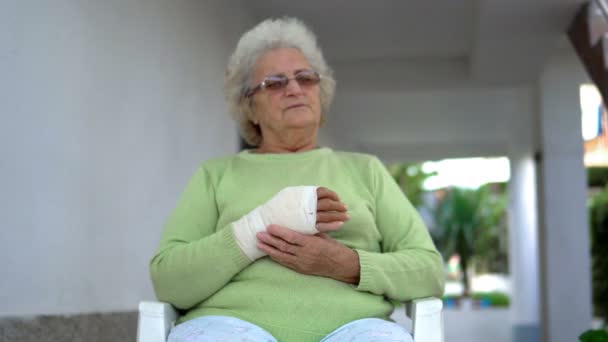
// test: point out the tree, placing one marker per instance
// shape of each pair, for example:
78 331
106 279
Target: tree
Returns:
410 178
491 241
466 222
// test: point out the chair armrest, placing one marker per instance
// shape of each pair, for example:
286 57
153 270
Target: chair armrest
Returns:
427 319
155 321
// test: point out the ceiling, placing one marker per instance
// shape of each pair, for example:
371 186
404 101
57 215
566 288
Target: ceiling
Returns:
402 43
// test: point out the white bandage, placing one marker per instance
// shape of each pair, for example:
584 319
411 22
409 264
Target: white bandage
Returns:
294 207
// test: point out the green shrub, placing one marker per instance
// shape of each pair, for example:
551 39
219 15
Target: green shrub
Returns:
594 336
598 210
597 176
497 299
455 297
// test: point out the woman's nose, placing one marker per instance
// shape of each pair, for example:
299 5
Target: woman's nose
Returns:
293 88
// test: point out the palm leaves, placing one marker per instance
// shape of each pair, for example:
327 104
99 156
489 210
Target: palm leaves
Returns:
410 178
468 224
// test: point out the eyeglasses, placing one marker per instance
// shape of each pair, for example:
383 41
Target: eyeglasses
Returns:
277 82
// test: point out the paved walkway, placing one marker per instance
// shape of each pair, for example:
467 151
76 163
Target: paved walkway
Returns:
471 325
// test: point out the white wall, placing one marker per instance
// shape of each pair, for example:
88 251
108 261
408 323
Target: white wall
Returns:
107 109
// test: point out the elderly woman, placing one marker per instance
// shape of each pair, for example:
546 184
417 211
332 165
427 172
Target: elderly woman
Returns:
290 241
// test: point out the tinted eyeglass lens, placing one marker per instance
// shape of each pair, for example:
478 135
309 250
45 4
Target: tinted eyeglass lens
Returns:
276 82
307 78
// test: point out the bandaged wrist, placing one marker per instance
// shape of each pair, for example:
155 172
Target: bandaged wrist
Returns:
293 207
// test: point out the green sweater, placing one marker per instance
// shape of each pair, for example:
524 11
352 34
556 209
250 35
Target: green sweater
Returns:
199 267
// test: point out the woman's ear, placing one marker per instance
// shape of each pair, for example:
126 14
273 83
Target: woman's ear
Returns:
253 118
248 109
250 113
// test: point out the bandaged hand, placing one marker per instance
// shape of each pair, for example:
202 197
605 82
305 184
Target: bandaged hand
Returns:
294 207
304 209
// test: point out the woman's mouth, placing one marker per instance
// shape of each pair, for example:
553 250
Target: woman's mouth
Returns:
295 106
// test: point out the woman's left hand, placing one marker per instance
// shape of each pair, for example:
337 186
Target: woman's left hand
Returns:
310 254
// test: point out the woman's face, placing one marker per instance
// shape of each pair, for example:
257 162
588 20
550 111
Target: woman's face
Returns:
295 105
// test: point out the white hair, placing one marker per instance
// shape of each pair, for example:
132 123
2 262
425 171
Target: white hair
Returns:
266 36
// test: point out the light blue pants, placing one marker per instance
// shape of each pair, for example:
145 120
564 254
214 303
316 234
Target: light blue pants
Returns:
230 329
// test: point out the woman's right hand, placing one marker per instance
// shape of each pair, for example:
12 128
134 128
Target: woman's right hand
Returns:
331 213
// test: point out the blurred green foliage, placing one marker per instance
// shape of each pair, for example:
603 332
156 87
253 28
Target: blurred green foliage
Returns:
497 299
597 176
410 178
472 224
598 216
594 336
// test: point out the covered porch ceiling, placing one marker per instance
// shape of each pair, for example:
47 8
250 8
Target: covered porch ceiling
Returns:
419 43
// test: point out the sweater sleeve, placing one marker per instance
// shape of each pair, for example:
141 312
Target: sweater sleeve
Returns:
195 258
409 265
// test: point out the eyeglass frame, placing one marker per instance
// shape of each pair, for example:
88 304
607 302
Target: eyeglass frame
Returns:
262 85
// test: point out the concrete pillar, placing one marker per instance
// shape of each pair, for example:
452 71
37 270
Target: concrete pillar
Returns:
564 233
523 249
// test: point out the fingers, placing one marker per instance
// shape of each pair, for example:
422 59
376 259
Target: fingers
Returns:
286 234
324 236
331 213
276 254
267 240
331 216
329 226
323 192
327 204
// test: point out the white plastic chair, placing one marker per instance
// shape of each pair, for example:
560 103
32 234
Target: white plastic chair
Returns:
156 320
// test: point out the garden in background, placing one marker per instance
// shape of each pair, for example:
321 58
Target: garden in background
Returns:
468 226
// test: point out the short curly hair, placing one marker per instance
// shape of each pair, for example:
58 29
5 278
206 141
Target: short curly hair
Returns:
266 36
